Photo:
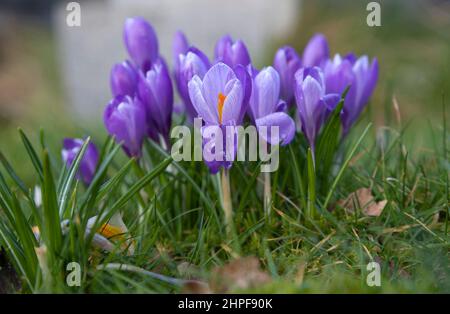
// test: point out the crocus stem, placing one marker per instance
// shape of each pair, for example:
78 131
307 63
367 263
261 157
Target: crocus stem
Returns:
267 194
311 184
226 200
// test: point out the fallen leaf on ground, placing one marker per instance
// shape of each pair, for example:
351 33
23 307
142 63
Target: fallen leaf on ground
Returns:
363 198
242 273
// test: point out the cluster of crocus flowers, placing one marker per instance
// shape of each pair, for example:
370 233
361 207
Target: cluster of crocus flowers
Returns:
316 82
142 91
227 89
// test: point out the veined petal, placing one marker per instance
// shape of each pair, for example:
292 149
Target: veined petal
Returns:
195 86
215 81
267 86
285 124
232 106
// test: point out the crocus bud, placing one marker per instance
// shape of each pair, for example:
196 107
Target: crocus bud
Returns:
316 51
193 62
141 42
156 92
88 164
125 118
313 104
180 45
358 74
231 53
287 62
265 109
123 79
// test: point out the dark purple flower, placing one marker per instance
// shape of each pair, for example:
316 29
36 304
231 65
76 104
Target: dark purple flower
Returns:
191 62
287 62
88 164
360 75
123 79
313 104
316 51
218 100
141 42
125 118
231 53
156 93
266 110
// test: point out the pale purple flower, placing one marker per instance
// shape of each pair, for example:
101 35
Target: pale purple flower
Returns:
125 118
188 61
313 104
88 164
141 42
287 62
316 51
218 100
123 79
156 93
360 75
266 109
231 53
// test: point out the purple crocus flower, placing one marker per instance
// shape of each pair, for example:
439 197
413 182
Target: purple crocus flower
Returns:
316 51
313 104
180 45
88 164
231 53
125 118
287 62
141 42
360 75
188 63
156 93
266 109
123 79
218 100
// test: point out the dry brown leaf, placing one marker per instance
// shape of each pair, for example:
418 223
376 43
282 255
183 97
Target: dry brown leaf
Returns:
363 198
242 273
196 287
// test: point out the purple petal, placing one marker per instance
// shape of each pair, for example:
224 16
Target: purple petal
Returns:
287 62
316 51
232 54
180 45
233 101
214 82
156 92
266 93
125 118
141 42
246 81
281 120
198 101
123 79
88 164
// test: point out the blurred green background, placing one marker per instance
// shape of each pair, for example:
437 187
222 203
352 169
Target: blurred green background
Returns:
412 46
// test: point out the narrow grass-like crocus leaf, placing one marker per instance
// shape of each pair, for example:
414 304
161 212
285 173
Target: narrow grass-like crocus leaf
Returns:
51 231
68 181
311 185
329 140
32 153
344 166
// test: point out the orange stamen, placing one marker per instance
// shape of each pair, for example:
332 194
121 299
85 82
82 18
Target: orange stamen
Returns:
220 102
111 232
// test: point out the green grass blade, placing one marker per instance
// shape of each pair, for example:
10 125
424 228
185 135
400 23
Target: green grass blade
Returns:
344 166
32 153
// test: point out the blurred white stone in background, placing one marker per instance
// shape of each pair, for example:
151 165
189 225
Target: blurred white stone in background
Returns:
88 52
